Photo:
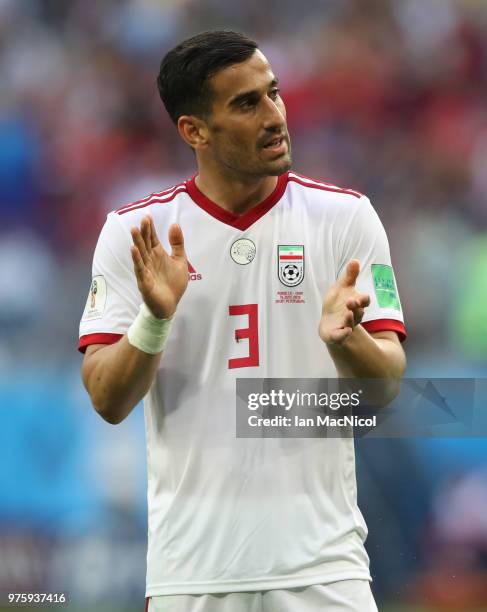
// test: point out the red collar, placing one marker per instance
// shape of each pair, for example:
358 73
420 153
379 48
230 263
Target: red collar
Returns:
244 221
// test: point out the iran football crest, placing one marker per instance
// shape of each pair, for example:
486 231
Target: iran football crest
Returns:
290 264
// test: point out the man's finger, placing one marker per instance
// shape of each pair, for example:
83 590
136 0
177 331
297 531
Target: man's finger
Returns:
140 244
364 300
349 319
154 236
137 259
349 278
359 301
145 230
358 315
176 240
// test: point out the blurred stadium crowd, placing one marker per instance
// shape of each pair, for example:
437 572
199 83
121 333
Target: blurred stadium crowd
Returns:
385 96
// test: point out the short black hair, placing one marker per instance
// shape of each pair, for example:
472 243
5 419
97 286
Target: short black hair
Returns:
183 79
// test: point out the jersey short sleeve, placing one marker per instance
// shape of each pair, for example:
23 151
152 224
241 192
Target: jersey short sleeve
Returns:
365 239
113 298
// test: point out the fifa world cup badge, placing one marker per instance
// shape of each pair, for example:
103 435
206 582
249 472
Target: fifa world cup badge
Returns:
97 297
93 290
290 264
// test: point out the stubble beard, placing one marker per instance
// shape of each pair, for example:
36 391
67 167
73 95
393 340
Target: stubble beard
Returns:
235 161
260 168
280 165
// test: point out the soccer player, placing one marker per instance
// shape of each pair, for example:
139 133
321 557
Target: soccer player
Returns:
278 275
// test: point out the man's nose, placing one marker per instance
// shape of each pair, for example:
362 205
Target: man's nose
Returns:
273 116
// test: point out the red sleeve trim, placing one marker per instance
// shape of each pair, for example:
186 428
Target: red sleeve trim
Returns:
324 187
85 341
386 325
154 200
157 194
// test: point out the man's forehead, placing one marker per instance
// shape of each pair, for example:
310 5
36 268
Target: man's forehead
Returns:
254 73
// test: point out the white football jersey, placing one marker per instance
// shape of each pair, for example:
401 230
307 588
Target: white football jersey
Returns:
243 514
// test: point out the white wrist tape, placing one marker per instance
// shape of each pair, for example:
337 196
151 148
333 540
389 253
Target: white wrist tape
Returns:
147 332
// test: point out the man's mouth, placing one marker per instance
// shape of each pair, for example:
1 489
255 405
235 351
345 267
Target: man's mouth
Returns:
274 144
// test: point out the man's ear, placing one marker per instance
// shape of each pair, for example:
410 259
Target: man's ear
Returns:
193 131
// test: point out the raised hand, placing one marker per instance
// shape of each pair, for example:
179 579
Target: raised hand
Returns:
161 278
343 307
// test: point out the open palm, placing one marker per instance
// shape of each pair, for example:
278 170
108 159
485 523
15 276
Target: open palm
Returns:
161 278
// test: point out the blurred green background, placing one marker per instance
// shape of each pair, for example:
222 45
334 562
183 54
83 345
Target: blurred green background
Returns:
386 96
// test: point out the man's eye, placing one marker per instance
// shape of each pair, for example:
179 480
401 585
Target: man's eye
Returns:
248 103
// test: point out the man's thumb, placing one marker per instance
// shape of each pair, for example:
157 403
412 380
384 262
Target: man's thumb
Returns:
349 278
176 240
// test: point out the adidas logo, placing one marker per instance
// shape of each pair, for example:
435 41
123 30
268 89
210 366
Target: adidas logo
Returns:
192 274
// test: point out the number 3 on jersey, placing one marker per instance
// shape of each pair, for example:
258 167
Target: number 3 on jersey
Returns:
251 333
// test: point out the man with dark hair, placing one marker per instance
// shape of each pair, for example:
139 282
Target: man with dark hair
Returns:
184 77
241 524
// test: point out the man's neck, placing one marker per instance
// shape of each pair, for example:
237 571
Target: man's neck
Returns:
235 194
